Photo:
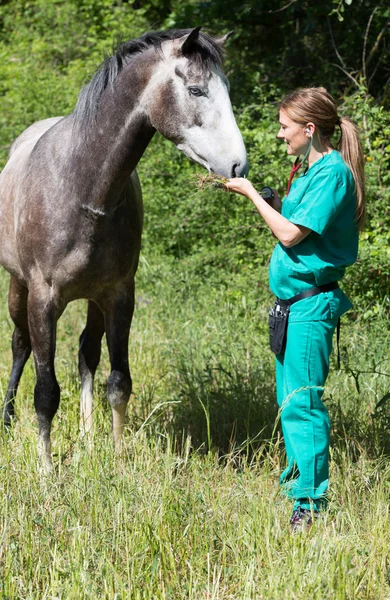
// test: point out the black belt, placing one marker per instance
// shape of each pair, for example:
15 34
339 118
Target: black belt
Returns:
314 291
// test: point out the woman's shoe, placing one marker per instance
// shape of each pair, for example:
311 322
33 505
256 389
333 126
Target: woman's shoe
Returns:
302 519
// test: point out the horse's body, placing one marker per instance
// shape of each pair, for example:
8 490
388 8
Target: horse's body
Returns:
71 208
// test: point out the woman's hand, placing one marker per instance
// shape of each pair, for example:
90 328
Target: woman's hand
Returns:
239 185
243 186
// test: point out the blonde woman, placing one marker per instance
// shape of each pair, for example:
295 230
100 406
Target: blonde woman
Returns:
317 230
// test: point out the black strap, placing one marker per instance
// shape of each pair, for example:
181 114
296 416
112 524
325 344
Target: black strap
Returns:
314 291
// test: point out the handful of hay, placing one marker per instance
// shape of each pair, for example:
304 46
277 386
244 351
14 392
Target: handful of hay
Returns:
210 180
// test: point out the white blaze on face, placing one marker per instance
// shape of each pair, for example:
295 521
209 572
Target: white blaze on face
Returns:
212 138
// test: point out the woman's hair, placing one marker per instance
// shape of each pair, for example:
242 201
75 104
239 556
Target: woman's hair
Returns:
317 106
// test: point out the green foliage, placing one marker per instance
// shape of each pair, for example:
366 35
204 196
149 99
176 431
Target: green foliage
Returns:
296 44
339 8
369 280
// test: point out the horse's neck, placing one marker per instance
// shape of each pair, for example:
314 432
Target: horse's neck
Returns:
113 144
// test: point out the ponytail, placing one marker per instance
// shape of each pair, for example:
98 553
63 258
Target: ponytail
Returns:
351 150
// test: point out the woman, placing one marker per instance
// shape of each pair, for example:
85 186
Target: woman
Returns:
318 238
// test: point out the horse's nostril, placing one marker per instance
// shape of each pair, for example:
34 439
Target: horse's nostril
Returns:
236 170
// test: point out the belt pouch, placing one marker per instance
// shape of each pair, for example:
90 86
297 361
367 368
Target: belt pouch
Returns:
277 323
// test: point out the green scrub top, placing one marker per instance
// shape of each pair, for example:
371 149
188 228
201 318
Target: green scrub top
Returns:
322 199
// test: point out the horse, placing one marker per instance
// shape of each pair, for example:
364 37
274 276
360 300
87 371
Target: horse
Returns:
71 207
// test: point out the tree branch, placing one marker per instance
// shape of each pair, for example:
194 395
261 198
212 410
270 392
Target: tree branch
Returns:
352 78
377 42
364 65
283 7
334 45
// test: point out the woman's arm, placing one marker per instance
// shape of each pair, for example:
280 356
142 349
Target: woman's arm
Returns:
287 233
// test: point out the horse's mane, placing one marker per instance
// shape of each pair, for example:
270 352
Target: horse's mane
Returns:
205 50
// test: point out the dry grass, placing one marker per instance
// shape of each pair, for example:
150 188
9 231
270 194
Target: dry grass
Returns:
210 180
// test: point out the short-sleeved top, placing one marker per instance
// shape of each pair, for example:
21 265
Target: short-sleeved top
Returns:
322 199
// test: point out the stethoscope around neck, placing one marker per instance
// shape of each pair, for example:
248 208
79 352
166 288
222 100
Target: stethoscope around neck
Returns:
297 165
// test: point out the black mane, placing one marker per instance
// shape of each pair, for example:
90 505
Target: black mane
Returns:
205 50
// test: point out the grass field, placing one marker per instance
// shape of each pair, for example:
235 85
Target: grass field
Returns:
192 509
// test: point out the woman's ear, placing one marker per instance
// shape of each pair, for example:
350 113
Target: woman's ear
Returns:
310 129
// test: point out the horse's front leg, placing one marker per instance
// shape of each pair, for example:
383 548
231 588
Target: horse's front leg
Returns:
119 384
42 320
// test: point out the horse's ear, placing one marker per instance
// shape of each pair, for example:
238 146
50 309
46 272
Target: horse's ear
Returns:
186 41
223 39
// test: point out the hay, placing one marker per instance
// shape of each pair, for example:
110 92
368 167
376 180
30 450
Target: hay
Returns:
210 180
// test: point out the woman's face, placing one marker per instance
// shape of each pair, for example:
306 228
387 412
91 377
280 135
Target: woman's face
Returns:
293 134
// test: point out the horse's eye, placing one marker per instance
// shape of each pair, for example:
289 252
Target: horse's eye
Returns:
195 91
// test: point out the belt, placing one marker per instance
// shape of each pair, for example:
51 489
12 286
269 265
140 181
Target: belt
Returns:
314 291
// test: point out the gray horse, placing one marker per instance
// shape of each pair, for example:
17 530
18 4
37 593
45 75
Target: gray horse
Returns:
71 208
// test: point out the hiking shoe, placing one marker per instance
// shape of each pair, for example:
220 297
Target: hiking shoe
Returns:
302 519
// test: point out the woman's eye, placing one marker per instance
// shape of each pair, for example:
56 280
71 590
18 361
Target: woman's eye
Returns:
195 91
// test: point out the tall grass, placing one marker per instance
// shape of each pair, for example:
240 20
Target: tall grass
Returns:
192 509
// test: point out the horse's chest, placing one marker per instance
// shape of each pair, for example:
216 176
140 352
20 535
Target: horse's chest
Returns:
108 253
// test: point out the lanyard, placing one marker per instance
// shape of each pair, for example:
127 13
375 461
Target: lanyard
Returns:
297 165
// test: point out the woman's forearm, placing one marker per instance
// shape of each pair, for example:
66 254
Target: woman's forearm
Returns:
286 232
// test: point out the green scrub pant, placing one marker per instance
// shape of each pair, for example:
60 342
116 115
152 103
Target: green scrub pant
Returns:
301 372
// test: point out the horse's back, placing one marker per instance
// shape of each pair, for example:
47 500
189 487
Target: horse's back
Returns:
32 134
10 181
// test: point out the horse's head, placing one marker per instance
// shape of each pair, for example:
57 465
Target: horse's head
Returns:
188 102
